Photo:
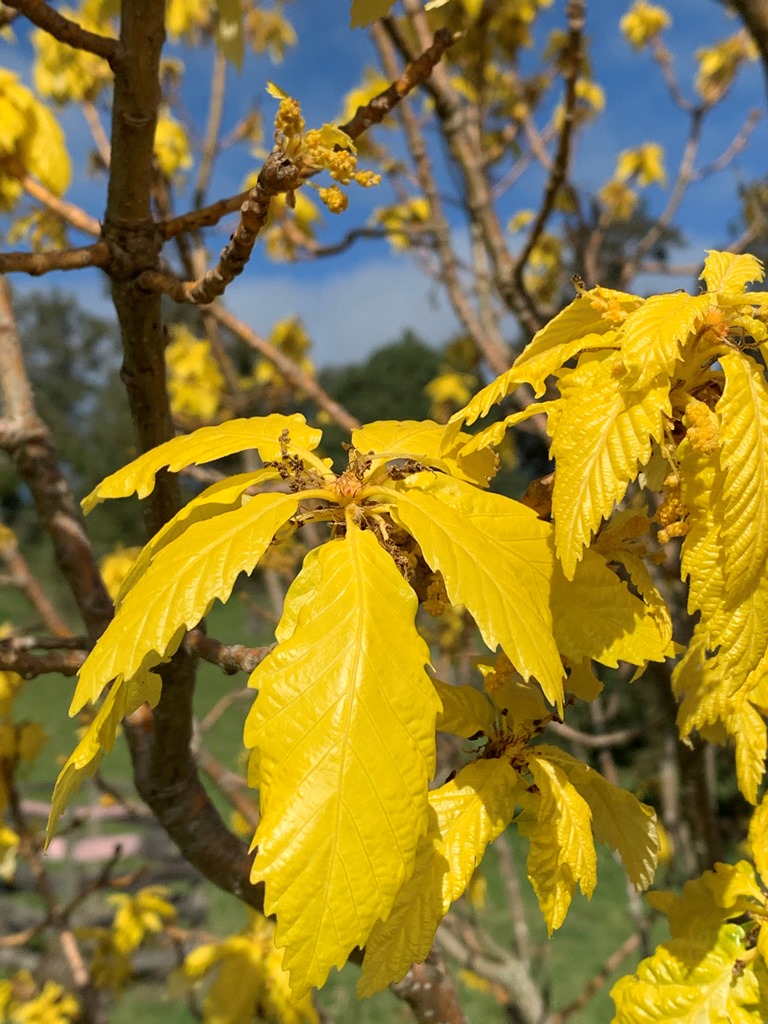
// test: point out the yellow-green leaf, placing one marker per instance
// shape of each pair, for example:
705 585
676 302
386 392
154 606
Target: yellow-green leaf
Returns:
557 821
230 38
423 441
758 838
743 411
495 434
728 273
653 335
579 327
206 445
465 815
219 497
99 738
177 589
486 398
618 818
465 710
344 722
682 984
478 542
365 12
601 435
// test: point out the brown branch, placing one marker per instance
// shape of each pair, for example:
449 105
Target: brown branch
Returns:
428 990
733 149
288 368
25 580
281 175
599 981
599 741
37 263
229 785
754 14
69 212
67 31
490 344
416 73
29 666
30 849
230 658
33 454
99 136
193 220
215 111
572 61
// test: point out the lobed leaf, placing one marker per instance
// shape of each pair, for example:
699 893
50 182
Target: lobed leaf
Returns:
345 727
653 335
728 273
618 818
99 738
465 815
177 589
424 441
600 437
206 445
466 711
743 411
557 821
682 983
478 541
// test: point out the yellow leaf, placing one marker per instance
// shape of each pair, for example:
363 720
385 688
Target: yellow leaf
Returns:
588 323
758 838
365 12
618 818
596 617
728 273
743 411
601 436
222 496
653 336
177 589
206 445
465 710
99 738
229 31
495 434
582 681
683 983
557 819
478 541
423 441
465 815
344 723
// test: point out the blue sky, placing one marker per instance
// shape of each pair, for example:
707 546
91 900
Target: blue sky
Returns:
355 303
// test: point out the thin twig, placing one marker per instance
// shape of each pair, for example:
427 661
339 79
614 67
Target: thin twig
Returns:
99 136
230 658
599 741
598 982
572 60
69 212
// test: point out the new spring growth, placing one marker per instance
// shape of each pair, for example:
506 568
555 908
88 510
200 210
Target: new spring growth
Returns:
319 149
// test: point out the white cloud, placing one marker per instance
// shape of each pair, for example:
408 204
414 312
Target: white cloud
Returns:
351 310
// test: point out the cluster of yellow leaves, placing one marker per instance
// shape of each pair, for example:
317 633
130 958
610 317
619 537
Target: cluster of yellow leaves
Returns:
665 389
23 1002
719 64
195 382
64 73
31 142
343 727
137 919
290 337
715 966
19 742
269 31
246 979
399 217
172 150
187 19
643 22
643 165
327 148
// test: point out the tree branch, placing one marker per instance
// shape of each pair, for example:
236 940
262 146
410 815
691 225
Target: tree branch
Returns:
37 263
67 31
754 14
